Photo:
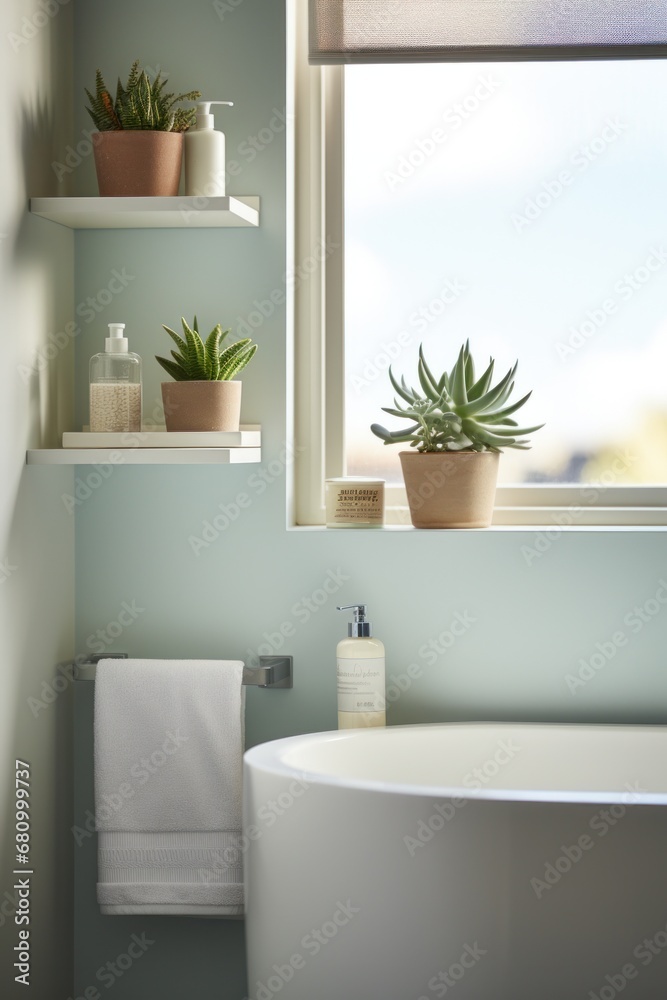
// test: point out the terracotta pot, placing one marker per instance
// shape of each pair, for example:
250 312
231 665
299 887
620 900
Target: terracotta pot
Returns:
138 164
202 406
450 489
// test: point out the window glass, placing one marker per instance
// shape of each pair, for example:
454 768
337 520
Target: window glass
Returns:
521 206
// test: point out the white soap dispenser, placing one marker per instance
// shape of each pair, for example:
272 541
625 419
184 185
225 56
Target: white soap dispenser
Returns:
205 155
361 674
115 386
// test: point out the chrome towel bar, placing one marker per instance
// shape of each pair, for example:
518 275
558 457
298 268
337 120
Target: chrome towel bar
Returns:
272 672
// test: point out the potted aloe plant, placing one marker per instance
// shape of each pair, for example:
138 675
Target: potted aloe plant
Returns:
138 147
205 394
459 424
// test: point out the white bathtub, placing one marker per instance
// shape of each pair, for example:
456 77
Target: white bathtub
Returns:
479 861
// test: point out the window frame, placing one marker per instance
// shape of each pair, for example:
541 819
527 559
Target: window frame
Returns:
316 203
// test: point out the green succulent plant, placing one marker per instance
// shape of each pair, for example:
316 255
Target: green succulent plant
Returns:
199 361
140 104
457 412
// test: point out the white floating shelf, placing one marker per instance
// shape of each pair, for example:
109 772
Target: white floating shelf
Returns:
149 213
143 456
154 446
153 436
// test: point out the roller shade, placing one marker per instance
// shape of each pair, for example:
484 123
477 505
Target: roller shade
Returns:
346 31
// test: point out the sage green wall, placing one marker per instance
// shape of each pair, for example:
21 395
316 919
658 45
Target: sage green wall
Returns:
528 618
36 528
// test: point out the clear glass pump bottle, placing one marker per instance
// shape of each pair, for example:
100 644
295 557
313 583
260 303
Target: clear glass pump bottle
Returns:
115 386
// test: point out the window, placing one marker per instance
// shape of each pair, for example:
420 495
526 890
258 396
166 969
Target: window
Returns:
519 205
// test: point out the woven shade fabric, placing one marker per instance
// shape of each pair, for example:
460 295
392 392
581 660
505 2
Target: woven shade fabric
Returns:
346 31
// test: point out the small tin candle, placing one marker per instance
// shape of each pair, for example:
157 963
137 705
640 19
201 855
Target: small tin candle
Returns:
354 502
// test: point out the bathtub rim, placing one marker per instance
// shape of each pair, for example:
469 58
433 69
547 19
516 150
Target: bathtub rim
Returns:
269 757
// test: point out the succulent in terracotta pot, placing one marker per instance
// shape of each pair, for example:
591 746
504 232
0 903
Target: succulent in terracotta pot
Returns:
206 393
138 147
459 424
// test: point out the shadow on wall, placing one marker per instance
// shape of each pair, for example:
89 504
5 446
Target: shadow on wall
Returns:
40 252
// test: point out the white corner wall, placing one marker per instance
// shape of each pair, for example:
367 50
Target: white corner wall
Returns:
36 528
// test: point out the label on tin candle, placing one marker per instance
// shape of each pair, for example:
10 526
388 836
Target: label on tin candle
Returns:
354 504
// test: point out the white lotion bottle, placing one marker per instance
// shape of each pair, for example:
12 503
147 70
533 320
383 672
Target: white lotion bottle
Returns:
360 674
205 155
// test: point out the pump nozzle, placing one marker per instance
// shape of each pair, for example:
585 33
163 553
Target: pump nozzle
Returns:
359 628
204 116
116 342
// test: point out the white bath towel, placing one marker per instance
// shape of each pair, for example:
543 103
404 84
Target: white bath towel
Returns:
168 783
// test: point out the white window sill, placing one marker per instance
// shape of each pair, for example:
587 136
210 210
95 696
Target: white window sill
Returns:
555 529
